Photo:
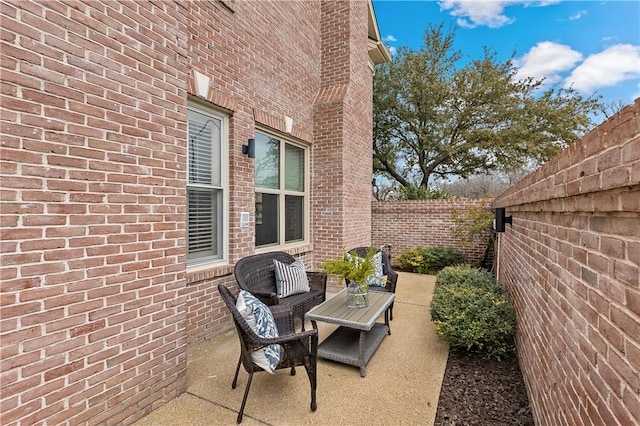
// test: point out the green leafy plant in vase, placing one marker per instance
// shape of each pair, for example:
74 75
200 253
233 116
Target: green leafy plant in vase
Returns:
354 270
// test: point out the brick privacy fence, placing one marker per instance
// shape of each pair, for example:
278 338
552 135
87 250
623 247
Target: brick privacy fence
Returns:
571 263
422 223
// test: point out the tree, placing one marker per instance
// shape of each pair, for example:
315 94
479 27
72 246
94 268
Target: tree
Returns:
434 120
481 185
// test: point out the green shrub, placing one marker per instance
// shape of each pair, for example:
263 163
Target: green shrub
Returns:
422 193
472 312
428 260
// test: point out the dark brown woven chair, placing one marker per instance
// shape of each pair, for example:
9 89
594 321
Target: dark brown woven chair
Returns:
298 349
392 276
256 275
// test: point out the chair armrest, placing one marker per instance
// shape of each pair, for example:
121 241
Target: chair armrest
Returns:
317 281
302 335
296 346
392 280
283 316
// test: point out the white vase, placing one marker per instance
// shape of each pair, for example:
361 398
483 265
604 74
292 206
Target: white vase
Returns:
357 295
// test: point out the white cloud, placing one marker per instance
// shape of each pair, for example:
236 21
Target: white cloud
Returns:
547 60
389 38
473 13
392 50
607 68
578 15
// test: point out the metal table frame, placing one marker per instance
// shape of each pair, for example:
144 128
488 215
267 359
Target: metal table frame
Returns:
359 335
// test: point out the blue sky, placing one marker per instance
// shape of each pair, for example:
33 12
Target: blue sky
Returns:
592 45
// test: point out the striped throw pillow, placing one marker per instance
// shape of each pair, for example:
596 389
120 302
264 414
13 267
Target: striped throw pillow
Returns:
290 279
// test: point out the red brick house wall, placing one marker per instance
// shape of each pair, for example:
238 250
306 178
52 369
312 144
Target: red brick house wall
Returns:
422 223
342 186
571 263
93 314
256 86
97 304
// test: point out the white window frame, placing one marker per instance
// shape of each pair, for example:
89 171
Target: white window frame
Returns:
282 193
223 222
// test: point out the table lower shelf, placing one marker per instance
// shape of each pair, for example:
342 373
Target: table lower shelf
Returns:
348 346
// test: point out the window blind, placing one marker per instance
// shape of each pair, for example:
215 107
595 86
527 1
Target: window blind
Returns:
204 192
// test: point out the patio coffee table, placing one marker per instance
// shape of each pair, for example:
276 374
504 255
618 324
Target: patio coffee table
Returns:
359 335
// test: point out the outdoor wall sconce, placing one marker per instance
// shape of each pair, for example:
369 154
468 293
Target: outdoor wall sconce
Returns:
250 148
501 220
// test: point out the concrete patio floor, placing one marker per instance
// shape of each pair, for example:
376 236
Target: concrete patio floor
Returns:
401 387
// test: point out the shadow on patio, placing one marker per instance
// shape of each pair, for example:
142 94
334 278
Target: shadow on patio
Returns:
402 385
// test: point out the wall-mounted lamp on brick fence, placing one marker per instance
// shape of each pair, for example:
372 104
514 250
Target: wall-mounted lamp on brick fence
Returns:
501 219
250 148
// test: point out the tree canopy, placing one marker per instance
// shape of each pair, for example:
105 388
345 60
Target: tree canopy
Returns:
434 118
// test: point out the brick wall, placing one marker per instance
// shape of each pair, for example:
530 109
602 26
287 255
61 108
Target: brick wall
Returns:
258 83
421 223
97 303
322 70
93 104
343 112
571 263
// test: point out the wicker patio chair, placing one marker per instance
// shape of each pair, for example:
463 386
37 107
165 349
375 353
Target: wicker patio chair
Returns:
392 276
298 349
256 275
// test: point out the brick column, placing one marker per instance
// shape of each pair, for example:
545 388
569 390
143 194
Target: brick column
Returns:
341 192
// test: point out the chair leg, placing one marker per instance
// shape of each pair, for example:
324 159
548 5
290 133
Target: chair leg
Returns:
391 313
244 399
310 366
235 378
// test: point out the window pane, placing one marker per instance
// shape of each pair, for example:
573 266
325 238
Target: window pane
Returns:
294 218
293 168
266 219
202 222
205 194
267 162
204 135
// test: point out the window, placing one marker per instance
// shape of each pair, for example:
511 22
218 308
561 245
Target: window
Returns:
281 191
206 183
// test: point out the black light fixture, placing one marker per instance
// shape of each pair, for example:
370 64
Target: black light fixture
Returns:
502 219
250 148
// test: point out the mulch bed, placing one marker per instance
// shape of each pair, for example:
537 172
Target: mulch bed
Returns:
484 392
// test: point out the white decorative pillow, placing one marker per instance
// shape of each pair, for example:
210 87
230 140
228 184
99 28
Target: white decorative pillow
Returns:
290 279
260 319
377 279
